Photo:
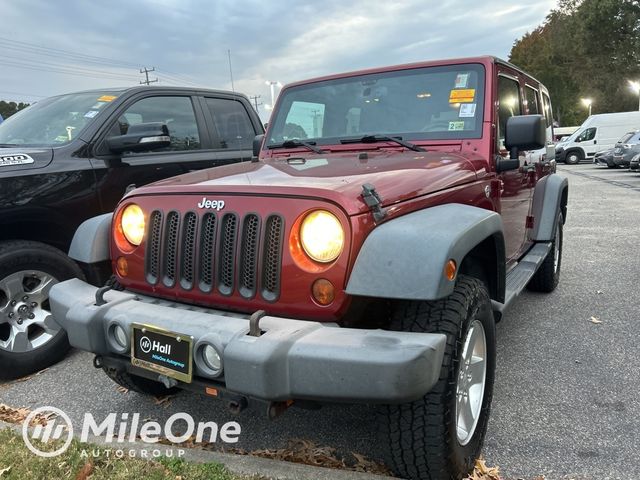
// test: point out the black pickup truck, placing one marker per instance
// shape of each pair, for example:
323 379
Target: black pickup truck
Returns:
71 157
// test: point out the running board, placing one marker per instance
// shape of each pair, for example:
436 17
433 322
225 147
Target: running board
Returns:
519 276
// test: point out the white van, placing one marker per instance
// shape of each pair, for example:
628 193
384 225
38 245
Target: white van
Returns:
598 132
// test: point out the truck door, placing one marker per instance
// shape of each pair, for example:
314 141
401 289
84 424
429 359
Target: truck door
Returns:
516 185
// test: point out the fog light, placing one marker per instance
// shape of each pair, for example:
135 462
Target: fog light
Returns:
323 291
212 358
122 266
120 336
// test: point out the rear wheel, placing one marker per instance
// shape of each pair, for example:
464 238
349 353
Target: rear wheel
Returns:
573 157
547 277
440 436
30 339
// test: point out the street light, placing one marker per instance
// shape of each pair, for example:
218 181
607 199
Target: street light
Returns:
635 86
587 102
272 84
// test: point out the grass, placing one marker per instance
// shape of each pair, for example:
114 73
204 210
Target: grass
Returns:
17 462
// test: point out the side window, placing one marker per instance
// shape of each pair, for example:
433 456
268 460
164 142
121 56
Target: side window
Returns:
586 135
508 104
548 112
533 103
176 112
233 123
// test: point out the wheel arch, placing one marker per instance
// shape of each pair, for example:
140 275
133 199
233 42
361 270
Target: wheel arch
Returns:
40 225
550 197
405 258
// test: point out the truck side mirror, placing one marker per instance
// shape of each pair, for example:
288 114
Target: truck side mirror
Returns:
522 132
257 144
141 137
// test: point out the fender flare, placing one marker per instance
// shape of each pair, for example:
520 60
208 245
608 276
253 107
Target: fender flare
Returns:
90 243
404 258
549 198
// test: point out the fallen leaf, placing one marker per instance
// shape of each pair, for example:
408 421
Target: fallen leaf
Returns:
595 320
5 470
85 472
166 400
122 389
482 472
599 292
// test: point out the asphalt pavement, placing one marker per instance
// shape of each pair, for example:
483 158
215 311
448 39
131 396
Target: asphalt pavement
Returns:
566 401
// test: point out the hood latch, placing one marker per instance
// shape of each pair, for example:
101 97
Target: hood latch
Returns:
373 201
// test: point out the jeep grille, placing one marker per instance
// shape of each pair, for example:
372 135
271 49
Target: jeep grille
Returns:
213 252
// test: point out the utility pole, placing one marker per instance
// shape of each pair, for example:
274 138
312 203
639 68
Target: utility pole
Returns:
146 72
255 101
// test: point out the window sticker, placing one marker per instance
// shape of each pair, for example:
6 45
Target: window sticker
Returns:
107 98
454 126
462 80
91 114
98 105
467 110
462 96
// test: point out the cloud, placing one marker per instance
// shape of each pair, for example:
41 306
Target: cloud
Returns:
187 41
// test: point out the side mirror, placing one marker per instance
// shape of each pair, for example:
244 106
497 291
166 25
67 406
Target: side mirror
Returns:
257 144
140 138
522 132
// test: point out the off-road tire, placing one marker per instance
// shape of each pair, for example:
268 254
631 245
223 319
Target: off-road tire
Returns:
137 384
16 256
422 438
573 157
547 277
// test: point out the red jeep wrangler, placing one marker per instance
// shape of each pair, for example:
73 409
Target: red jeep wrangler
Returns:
364 256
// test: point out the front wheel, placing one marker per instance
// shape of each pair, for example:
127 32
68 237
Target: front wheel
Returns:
439 436
30 339
573 158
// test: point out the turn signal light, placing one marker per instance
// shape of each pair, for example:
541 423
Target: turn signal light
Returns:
450 270
122 266
323 291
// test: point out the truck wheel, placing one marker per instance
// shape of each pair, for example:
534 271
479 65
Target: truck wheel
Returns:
573 158
30 339
138 384
547 277
440 436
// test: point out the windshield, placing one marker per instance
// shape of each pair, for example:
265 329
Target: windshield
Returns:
54 121
422 103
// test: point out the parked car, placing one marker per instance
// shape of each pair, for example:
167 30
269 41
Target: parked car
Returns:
634 163
361 258
626 148
71 157
598 132
605 157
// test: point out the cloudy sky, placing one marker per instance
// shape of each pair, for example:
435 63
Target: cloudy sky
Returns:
49 47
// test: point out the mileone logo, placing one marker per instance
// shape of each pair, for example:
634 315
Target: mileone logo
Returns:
212 204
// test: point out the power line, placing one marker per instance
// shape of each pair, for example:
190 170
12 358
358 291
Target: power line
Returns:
146 72
61 71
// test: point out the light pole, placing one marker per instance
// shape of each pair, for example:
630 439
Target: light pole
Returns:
635 86
272 84
587 102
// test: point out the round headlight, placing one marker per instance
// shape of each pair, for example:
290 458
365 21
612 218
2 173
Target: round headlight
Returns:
212 358
322 236
132 223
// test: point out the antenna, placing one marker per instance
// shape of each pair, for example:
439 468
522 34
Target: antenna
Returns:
231 71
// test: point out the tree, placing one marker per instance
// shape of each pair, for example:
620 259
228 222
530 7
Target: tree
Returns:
585 48
9 108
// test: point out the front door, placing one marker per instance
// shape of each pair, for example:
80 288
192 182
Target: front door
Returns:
516 185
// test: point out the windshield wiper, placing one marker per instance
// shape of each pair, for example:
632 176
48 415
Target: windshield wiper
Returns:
8 145
297 143
384 138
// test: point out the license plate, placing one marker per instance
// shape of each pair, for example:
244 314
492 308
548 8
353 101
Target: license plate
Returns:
161 351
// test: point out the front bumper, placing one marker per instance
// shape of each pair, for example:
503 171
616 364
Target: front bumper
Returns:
293 359
621 160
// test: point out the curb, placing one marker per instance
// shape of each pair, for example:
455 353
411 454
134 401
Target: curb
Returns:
240 464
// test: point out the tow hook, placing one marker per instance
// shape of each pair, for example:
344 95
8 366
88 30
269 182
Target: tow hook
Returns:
112 284
254 323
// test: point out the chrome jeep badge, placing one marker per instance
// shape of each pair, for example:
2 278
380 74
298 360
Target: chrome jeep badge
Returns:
16 159
212 204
